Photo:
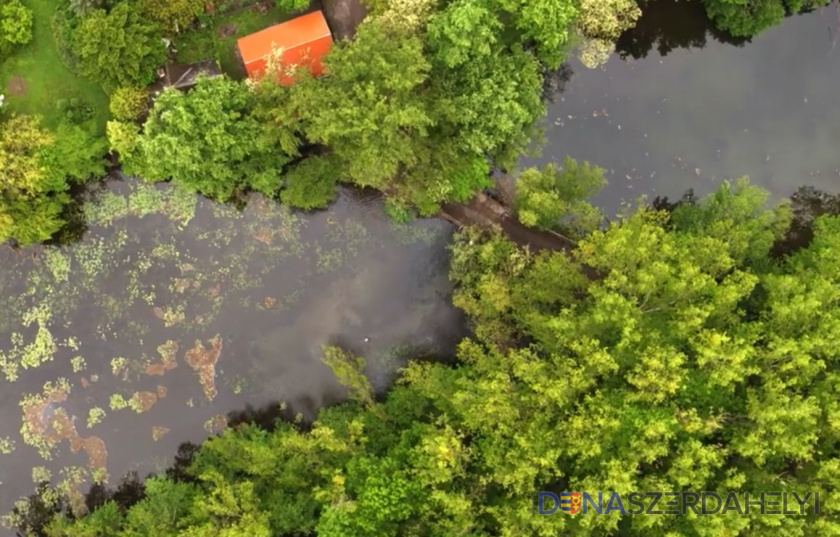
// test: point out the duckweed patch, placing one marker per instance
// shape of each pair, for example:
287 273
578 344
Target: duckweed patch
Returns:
95 416
159 432
7 445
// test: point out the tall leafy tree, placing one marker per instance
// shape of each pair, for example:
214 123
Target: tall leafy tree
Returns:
15 25
31 193
206 139
36 167
370 110
118 47
555 198
744 18
428 98
172 15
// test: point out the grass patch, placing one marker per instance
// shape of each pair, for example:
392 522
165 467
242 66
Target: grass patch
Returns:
205 43
37 71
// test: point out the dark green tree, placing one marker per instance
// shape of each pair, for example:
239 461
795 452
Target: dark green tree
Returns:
118 47
555 197
207 140
744 18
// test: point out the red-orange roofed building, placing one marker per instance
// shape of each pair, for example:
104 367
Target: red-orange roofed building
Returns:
304 41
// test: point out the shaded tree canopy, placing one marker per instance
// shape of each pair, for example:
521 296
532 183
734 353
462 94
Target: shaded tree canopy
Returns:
744 18
207 139
118 47
554 197
35 167
172 15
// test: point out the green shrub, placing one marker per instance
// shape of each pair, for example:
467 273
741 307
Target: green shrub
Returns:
15 24
128 103
118 47
311 184
172 15
63 24
398 211
291 6
74 110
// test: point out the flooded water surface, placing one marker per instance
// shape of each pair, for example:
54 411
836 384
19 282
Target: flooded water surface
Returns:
707 110
174 311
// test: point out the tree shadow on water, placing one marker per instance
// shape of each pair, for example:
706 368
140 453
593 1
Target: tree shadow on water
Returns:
554 82
807 204
671 24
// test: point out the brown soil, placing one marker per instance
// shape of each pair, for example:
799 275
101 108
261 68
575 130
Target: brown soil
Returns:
17 86
94 448
34 411
62 427
159 369
226 30
263 235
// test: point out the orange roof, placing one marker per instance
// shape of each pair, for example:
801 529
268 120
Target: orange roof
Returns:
287 35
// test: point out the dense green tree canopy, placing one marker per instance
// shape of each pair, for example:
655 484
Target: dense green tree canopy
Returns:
172 15
427 98
696 361
15 25
368 111
21 142
206 139
128 103
118 47
554 197
35 166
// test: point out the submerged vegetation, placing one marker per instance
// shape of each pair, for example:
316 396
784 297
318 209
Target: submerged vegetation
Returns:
125 328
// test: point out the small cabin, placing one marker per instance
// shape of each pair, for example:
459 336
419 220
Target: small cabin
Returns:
304 41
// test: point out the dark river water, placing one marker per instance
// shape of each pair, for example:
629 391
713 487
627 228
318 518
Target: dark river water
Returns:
173 311
706 110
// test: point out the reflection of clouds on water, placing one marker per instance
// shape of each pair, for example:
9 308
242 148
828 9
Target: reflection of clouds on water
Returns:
389 303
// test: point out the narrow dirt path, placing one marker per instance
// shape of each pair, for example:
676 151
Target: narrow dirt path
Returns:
484 211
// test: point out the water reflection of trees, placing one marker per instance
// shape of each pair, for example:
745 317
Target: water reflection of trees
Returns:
807 204
670 24
554 82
